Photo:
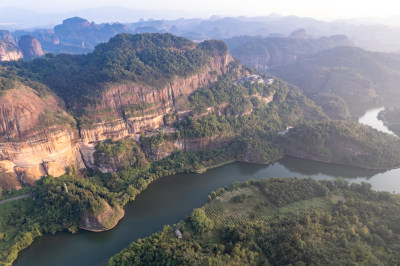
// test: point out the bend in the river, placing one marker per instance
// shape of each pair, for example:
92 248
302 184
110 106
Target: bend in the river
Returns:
170 199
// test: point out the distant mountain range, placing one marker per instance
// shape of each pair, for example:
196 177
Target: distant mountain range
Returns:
77 35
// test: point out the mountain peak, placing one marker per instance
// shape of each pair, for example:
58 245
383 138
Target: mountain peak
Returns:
76 23
299 34
30 47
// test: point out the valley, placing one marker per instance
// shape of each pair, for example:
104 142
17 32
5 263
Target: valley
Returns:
89 134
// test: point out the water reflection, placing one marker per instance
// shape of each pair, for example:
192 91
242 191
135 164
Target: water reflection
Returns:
170 199
310 168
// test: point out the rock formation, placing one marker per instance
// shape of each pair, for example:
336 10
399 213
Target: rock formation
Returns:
106 220
6 36
9 52
36 138
30 47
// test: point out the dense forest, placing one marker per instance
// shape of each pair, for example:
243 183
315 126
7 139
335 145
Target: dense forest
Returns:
391 118
343 142
359 77
150 59
280 222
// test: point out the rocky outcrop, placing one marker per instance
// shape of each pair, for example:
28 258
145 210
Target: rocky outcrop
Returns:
165 148
36 138
78 33
30 47
162 101
299 34
23 113
50 155
9 52
6 36
104 221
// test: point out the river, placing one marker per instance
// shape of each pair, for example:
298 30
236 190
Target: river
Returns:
370 119
170 199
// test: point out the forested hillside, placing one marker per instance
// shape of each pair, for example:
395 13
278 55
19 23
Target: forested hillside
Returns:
344 143
263 53
142 107
361 78
391 118
280 222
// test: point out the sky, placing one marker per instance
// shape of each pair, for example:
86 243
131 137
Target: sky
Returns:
320 9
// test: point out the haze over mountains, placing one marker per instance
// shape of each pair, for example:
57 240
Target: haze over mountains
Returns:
365 33
97 104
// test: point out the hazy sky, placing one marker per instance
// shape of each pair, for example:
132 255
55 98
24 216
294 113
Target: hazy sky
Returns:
322 9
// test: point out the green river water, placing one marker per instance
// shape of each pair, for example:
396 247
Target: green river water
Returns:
170 199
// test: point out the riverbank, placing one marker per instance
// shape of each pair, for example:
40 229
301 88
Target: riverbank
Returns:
390 119
335 163
295 213
170 198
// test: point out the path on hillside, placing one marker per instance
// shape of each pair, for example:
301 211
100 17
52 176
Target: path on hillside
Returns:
16 198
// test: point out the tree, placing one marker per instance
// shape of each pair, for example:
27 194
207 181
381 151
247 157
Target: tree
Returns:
200 221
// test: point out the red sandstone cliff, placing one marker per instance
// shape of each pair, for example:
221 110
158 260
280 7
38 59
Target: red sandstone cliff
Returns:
36 138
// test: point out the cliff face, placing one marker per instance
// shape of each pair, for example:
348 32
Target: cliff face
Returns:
32 142
118 100
6 36
106 220
30 47
165 148
8 51
37 137
79 33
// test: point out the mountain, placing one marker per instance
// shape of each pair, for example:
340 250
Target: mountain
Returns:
342 142
128 72
9 51
143 84
77 35
264 53
74 35
359 77
6 36
30 47
90 132
12 18
37 135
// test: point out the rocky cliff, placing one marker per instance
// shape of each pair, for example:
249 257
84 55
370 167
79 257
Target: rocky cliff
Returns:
6 36
106 220
37 137
8 51
130 109
30 47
